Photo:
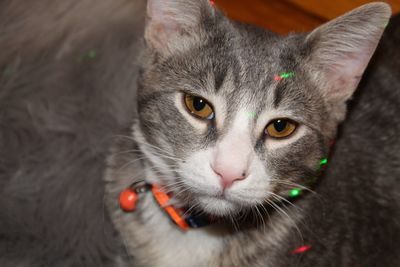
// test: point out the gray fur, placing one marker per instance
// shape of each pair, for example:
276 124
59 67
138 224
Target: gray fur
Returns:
62 108
59 111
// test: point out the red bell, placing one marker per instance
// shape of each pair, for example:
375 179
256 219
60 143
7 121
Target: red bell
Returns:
127 200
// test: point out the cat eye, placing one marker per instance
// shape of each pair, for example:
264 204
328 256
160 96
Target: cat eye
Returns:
280 128
198 107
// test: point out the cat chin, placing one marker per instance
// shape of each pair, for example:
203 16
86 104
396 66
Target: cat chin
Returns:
217 206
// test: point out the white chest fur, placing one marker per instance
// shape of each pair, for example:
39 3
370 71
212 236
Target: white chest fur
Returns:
155 241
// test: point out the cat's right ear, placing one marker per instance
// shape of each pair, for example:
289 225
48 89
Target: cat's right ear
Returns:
173 25
341 49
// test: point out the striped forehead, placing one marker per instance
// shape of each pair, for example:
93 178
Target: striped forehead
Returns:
237 94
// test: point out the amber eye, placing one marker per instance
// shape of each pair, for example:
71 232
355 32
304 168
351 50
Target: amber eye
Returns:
280 128
198 107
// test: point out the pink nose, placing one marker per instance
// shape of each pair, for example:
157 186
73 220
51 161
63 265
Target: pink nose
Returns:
229 175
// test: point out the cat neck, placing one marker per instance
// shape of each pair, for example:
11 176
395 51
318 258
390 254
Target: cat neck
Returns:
154 240
184 218
160 238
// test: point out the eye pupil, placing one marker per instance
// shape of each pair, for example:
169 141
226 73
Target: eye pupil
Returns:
280 125
198 103
198 107
280 128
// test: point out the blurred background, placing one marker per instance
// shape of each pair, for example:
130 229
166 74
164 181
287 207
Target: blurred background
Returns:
284 16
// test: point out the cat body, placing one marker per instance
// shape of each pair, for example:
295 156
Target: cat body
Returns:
63 100
93 109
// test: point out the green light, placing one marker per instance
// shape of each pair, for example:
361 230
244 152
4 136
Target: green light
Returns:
286 75
92 54
251 114
295 192
7 71
323 161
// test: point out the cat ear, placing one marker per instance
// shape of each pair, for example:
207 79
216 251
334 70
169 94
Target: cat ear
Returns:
174 24
342 48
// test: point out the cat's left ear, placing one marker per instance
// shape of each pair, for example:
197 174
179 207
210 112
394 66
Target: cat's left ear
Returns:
173 25
342 48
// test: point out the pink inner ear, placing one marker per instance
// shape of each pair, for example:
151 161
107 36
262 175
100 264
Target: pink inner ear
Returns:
163 12
341 87
162 23
154 8
170 22
344 46
161 31
345 75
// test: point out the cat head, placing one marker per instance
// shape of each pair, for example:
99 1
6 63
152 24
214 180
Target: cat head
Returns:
232 116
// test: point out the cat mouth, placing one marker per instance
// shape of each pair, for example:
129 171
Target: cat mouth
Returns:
218 205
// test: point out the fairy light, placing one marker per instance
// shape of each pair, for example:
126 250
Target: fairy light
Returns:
284 75
251 114
301 249
295 192
287 75
7 71
90 55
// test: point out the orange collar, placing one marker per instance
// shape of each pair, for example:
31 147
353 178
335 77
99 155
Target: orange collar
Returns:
128 199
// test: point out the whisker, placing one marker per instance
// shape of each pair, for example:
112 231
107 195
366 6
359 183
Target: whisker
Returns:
282 199
234 223
261 217
278 209
293 184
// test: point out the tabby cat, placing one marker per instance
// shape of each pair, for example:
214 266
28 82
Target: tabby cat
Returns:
233 124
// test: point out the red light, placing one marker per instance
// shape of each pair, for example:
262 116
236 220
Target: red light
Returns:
301 249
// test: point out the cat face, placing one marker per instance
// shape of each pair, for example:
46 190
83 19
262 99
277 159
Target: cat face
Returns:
231 116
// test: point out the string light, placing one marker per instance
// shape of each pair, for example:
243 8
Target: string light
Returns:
323 162
251 114
301 249
7 71
295 192
284 75
92 54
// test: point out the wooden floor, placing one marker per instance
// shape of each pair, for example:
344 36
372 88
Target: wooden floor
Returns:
283 16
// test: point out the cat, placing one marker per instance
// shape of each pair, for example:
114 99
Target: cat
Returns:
227 118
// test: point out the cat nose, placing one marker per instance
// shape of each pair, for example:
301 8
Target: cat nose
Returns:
229 175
